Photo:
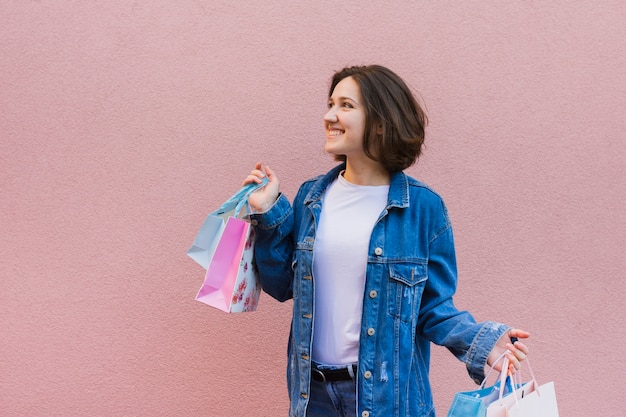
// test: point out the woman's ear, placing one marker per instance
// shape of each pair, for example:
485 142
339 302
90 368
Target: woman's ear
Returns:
379 129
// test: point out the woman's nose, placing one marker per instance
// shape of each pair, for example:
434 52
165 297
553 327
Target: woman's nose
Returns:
331 115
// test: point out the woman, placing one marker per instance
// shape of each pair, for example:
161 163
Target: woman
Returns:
367 255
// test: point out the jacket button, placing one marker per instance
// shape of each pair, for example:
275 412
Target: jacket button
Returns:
371 331
373 294
367 374
378 251
307 316
365 414
254 222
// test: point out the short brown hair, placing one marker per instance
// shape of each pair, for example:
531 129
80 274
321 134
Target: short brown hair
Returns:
390 104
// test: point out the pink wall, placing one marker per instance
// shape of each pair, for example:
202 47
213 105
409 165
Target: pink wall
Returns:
123 123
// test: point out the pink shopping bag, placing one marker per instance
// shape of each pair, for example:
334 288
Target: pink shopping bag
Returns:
231 282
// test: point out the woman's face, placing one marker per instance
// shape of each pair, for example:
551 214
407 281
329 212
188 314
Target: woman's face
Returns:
345 120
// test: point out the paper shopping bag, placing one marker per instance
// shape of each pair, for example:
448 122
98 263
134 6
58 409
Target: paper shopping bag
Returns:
531 400
207 238
224 246
231 282
474 403
539 403
501 407
209 234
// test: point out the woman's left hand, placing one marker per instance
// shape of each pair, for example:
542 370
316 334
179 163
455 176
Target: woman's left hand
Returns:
516 351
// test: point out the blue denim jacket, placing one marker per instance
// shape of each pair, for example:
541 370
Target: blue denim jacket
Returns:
410 280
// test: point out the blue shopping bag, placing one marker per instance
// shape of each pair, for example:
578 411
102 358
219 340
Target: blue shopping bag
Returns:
475 403
208 236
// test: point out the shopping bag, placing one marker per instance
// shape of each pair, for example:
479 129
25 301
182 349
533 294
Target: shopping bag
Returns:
530 400
501 406
224 246
474 403
539 403
231 283
207 237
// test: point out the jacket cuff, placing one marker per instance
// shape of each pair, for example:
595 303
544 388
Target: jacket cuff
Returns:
274 215
481 347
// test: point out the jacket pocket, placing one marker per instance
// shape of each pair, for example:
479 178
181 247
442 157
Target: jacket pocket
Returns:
406 285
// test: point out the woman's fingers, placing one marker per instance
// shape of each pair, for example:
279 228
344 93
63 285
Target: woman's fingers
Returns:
514 359
252 178
521 347
262 199
516 354
514 349
257 174
518 334
519 350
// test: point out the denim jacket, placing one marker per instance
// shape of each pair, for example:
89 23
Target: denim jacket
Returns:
411 277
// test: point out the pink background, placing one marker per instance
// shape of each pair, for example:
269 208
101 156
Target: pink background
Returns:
122 124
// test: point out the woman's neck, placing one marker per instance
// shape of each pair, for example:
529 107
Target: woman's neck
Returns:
366 173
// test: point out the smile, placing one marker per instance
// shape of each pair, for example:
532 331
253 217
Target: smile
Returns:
334 132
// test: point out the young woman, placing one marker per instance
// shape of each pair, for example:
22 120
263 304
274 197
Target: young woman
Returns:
367 255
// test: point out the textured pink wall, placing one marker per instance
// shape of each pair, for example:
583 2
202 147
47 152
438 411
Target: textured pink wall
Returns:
123 123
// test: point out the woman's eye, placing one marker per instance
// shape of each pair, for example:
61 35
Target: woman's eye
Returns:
347 105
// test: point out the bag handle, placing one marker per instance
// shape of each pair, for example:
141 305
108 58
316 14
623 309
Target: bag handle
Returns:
491 368
505 365
240 198
503 377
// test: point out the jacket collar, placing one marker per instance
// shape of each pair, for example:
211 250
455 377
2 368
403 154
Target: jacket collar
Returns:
398 187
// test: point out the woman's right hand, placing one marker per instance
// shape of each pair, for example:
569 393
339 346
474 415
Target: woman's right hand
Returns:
262 199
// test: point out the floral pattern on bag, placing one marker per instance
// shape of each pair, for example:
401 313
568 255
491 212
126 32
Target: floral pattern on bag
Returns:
247 289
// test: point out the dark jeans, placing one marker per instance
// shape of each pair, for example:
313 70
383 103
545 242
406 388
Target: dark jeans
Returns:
332 399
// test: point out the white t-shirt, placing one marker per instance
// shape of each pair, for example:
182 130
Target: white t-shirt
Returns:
348 216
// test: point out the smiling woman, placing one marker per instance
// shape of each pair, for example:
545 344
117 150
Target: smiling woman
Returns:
345 121
379 289
123 121
394 131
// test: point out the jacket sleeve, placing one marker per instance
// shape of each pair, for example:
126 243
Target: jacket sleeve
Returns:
441 322
273 248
